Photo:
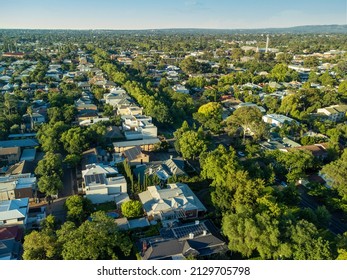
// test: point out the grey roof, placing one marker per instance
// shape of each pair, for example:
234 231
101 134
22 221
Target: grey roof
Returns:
174 198
19 143
203 243
133 153
138 223
176 166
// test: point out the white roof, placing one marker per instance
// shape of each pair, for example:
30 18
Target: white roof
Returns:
279 118
175 196
92 169
13 209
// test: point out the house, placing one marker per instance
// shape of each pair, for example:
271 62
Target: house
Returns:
22 167
10 242
14 212
17 186
109 85
86 115
94 155
10 155
34 119
173 167
141 124
89 122
84 85
147 144
334 113
22 143
13 54
135 156
117 97
176 201
180 89
250 104
132 110
125 224
197 239
81 106
277 119
113 133
318 150
102 183
28 154
35 217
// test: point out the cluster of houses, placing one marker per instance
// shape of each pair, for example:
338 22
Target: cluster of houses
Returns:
18 192
100 180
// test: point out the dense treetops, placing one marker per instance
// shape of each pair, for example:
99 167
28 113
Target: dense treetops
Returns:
259 218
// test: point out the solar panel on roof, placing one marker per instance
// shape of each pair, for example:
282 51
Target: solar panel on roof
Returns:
184 231
95 178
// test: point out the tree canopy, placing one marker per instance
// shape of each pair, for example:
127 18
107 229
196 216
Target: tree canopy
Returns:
132 209
249 119
210 116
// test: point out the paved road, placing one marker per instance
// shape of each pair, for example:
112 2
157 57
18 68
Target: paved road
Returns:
56 208
335 226
69 182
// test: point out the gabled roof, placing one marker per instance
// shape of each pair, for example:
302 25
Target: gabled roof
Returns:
317 150
175 197
191 239
133 153
11 232
13 209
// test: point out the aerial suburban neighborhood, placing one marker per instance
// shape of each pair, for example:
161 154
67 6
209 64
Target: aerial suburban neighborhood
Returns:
173 144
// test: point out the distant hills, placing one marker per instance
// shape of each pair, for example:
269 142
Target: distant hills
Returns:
306 29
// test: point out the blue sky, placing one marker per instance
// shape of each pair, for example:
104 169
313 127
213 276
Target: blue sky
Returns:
150 14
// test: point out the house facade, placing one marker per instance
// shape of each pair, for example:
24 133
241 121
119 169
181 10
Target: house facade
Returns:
14 212
277 119
10 155
334 113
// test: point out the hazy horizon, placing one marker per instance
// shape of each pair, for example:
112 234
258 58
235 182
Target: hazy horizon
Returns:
179 14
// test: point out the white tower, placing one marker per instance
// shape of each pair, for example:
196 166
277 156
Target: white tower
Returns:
267 43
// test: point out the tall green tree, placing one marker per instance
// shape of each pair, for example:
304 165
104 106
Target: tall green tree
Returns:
279 72
40 246
192 144
49 136
50 173
78 209
336 174
74 140
249 120
252 234
132 209
98 239
210 116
